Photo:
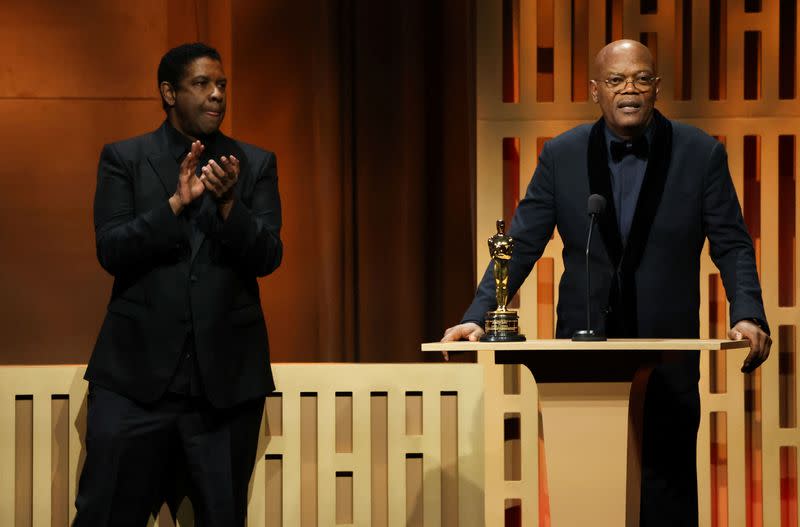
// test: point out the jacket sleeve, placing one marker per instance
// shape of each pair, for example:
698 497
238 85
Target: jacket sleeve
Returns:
251 235
126 241
531 228
730 244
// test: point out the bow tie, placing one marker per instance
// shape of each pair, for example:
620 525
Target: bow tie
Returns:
637 147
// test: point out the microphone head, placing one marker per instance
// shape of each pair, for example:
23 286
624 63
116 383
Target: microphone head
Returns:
596 205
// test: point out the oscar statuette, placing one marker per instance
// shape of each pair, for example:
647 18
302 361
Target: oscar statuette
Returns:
502 324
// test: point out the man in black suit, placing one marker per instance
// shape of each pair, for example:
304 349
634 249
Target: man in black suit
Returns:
186 219
667 188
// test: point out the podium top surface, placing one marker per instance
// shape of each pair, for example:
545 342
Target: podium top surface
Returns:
607 345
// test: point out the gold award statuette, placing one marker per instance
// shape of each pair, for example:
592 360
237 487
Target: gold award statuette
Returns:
502 324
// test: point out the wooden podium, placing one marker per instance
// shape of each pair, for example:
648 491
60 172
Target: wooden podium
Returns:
589 424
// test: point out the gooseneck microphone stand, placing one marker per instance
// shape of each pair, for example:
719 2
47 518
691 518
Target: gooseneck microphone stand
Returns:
595 207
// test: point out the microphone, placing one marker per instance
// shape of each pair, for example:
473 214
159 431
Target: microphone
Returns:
595 206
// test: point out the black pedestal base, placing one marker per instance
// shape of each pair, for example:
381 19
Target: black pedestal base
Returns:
588 335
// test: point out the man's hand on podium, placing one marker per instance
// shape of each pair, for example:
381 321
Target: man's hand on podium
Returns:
760 343
466 331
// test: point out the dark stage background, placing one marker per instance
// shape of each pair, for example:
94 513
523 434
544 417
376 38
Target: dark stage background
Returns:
368 105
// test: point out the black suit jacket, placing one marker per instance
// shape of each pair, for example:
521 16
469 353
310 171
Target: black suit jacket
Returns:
167 285
650 287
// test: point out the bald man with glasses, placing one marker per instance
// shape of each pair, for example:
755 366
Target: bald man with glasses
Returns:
668 189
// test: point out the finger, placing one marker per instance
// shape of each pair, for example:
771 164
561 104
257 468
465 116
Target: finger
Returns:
211 181
218 171
448 335
445 356
230 168
735 334
197 148
766 344
196 184
749 365
761 344
186 161
476 335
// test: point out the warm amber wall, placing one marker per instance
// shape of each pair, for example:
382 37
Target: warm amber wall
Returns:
368 107
72 78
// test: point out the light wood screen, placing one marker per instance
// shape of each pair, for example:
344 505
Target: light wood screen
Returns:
730 68
341 444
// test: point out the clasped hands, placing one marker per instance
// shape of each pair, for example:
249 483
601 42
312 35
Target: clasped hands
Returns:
217 178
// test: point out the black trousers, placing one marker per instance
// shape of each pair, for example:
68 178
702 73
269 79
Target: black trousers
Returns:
669 446
131 454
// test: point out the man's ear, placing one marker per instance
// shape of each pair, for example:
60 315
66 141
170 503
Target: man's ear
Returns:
167 93
593 89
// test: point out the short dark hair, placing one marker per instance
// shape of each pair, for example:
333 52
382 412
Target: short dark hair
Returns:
173 64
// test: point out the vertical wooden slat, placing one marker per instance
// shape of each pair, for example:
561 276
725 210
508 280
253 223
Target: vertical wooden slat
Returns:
683 50
274 415
718 329
513 512
718 50
545 292
787 375
650 39
273 490
719 469
344 498
648 7
308 460
511 379
413 413
380 459
344 422
511 51
449 458
753 448
545 56
59 491
787 55
23 470
511 158
788 486
751 164
787 212
580 50
613 20
512 446
414 491
752 65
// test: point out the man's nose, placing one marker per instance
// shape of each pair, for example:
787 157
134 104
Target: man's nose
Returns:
217 94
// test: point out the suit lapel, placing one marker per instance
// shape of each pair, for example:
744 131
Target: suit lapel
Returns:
167 169
600 183
164 160
655 178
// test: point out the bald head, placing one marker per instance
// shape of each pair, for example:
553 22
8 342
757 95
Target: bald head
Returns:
625 85
628 50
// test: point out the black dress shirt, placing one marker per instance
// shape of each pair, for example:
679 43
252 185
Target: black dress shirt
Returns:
186 379
627 174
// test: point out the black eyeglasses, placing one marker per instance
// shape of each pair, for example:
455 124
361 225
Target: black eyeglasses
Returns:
643 83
